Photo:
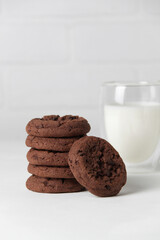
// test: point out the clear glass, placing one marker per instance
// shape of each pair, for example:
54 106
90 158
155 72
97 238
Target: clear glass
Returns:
130 121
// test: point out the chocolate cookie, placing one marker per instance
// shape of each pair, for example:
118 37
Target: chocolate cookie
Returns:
47 158
97 166
56 126
54 144
53 185
50 172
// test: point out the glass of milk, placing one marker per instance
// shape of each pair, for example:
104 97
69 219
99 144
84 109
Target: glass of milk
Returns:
130 121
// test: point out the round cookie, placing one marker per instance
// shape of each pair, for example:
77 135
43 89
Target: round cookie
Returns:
56 126
54 144
50 172
53 185
47 158
97 166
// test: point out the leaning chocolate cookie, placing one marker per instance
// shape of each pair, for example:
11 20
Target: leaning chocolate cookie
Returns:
97 166
56 126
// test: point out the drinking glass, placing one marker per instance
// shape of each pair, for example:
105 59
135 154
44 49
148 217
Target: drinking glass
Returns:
130 121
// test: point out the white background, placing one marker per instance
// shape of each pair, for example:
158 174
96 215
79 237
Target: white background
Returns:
54 56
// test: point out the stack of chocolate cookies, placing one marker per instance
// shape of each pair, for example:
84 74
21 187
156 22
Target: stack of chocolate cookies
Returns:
50 139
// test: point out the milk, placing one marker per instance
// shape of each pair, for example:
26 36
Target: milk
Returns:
134 130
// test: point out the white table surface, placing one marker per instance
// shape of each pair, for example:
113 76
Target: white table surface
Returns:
133 214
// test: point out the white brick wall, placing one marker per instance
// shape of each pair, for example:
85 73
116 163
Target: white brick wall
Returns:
123 6
149 73
54 55
152 6
66 7
33 42
1 91
44 87
121 42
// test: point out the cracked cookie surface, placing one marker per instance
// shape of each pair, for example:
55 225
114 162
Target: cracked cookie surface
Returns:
56 126
97 166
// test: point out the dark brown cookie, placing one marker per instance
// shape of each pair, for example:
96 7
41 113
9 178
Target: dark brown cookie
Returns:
53 185
47 158
50 172
54 144
97 166
56 126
